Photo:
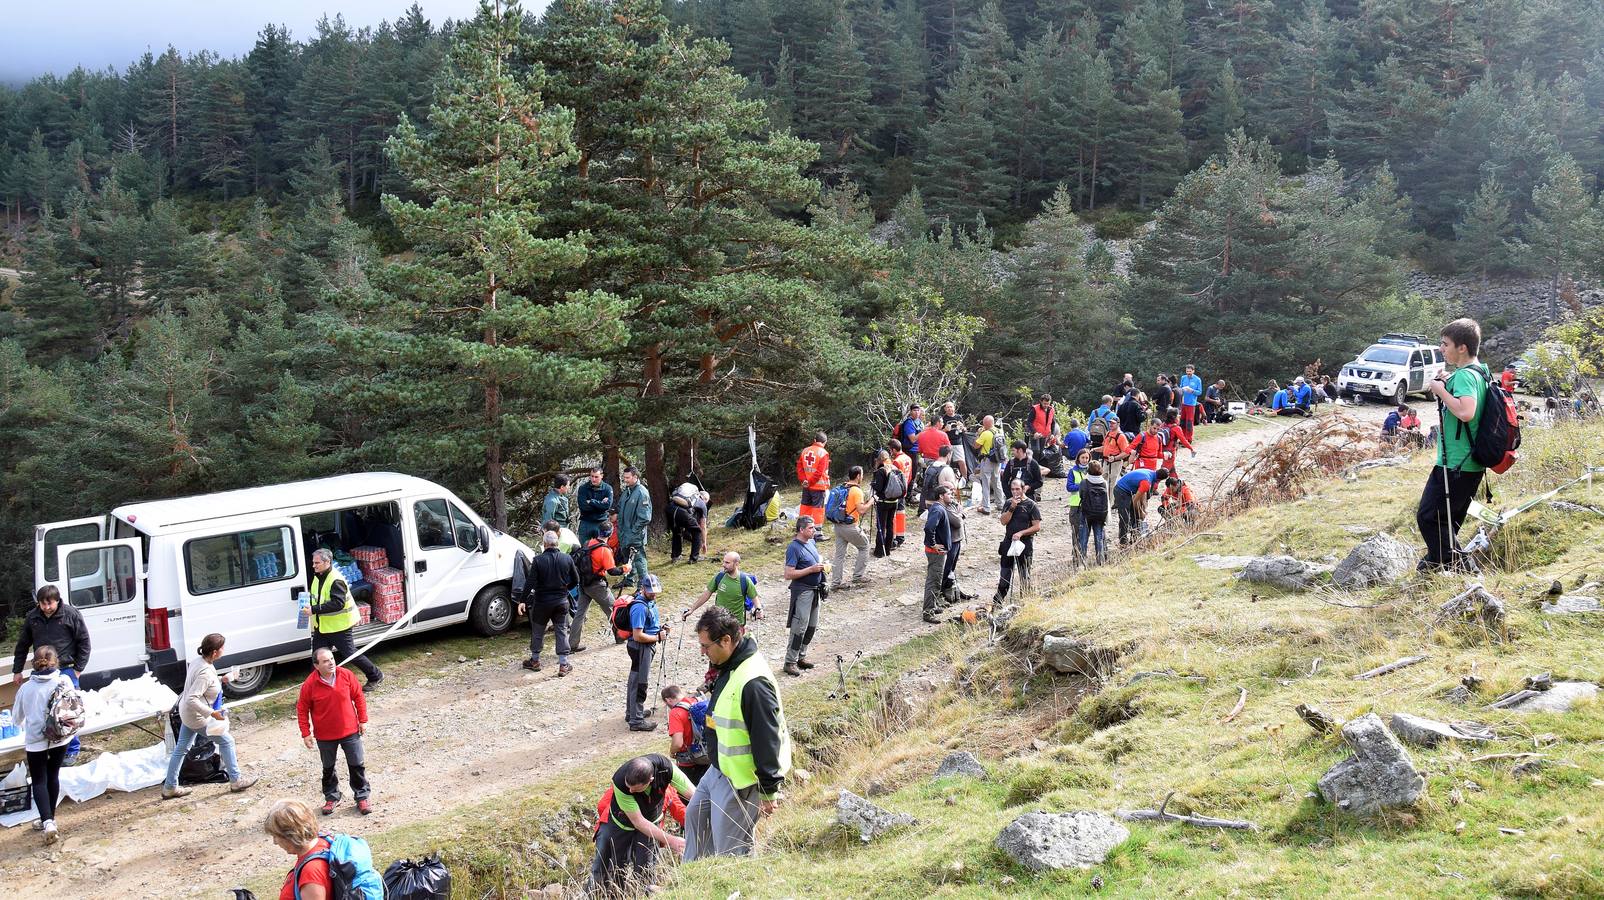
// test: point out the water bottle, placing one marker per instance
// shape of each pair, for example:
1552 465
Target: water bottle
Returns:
304 615
8 728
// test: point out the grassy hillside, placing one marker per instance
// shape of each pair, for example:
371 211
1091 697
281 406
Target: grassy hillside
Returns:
1134 742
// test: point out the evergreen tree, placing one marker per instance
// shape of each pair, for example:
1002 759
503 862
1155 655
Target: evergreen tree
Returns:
1564 230
460 336
272 69
960 175
834 101
1483 232
1149 150
1392 212
1093 122
58 318
1303 86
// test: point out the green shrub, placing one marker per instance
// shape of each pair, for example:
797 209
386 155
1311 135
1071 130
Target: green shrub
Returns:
1120 226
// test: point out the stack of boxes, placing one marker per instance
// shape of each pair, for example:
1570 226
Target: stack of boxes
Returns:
389 596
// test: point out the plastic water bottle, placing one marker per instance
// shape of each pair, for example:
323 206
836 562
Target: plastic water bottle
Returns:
8 728
303 617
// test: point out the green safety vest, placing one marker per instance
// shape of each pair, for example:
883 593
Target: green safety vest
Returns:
332 623
1079 478
734 741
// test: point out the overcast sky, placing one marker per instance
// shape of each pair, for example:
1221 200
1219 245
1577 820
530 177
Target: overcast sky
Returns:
58 35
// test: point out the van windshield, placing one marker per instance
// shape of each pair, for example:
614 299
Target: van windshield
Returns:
1389 356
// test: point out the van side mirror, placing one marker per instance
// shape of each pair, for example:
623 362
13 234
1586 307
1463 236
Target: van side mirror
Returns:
484 538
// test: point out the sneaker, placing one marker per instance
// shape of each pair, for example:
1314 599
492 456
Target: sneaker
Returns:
173 793
373 685
364 806
563 670
932 619
242 784
792 670
804 664
38 824
643 725
532 665
70 759
49 828
328 807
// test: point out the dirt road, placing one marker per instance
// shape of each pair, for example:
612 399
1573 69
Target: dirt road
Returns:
526 730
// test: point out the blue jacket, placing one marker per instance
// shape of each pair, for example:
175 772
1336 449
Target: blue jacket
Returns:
1196 384
594 502
1305 396
1075 440
938 531
1281 400
1131 480
634 513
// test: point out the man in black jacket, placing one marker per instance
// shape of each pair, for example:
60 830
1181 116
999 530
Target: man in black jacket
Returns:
595 501
551 576
58 625
1130 415
723 813
1023 467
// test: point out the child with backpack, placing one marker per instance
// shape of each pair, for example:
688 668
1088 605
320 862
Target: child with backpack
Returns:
49 712
687 719
328 866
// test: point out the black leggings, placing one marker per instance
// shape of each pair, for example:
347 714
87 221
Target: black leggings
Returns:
44 767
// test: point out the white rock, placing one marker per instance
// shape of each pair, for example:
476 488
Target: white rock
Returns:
1380 774
1042 841
1559 698
1424 732
1569 604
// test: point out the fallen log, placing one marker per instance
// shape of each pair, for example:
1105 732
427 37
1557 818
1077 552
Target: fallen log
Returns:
1237 709
1160 815
1391 667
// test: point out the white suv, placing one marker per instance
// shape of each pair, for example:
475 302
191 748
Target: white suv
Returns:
1392 368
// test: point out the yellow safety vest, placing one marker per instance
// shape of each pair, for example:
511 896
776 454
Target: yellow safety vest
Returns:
332 623
733 740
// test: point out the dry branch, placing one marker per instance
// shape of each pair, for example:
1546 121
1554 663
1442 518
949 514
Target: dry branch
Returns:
1391 667
1237 709
1160 815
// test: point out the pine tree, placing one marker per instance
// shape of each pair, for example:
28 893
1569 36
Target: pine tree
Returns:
272 69
834 103
1393 213
1226 113
960 175
1093 121
58 318
1564 230
329 97
1482 234
1149 151
1303 86
223 130
462 336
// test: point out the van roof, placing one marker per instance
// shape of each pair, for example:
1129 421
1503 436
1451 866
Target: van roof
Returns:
294 498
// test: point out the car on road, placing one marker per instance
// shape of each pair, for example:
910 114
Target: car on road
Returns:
1391 369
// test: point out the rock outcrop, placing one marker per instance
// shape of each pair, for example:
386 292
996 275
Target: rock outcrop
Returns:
1379 559
960 764
1283 572
1380 774
869 820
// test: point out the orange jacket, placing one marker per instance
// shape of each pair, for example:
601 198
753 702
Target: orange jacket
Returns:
1178 437
1042 421
813 467
1148 446
1115 444
904 462
1183 499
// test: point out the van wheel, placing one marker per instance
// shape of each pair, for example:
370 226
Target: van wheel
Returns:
249 680
492 611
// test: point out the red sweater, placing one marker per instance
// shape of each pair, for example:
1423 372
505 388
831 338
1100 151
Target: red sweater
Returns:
331 713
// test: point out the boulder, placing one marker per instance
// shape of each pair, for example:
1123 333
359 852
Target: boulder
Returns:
1283 572
961 764
1073 656
1424 732
1379 559
1379 775
1042 841
1559 698
870 821
1570 604
905 699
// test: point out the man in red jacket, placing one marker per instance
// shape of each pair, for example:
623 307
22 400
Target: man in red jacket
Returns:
333 709
813 471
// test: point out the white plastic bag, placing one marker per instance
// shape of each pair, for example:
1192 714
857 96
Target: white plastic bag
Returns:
1017 548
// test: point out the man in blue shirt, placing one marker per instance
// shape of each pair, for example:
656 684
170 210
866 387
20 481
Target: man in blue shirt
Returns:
804 569
646 632
1075 440
1131 494
1191 395
1280 402
908 430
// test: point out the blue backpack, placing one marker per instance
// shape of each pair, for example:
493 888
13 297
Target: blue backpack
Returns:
835 505
351 872
696 753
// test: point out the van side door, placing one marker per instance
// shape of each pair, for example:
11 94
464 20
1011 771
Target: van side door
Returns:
448 567
105 582
243 584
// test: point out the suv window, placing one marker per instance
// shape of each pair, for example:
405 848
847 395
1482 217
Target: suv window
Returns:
227 561
1437 355
1414 360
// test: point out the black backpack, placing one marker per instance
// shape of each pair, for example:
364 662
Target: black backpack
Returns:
582 562
1094 501
931 481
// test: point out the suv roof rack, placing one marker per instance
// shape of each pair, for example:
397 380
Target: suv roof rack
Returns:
1401 338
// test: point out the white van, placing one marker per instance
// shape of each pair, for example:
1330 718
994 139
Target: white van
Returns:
152 579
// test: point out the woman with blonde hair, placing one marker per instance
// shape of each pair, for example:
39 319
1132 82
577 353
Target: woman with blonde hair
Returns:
291 825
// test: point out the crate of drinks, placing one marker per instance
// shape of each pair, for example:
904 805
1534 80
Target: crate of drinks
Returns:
389 598
370 558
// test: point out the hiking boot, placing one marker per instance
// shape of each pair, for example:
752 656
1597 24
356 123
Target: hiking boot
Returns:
328 807
372 685
532 665
173 793
643 725
804 664
792 670
931 618
364 806
70 759
243 783
49 829
563 670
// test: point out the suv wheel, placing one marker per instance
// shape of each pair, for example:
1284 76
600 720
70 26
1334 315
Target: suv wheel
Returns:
1402 393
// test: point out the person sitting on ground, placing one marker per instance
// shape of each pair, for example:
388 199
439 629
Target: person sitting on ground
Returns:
1177 501
1265 399
1023 468
626 844
1214 401
688 752
1329 389
1281 402
1391 425
1075 439
1302 397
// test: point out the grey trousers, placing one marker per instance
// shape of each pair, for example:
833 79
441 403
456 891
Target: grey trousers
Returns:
720 820
850 534
935 574
602 597
803 622
640 680
991 489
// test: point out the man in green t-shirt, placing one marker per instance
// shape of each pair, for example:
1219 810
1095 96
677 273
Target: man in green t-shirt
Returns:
1454 480
730 589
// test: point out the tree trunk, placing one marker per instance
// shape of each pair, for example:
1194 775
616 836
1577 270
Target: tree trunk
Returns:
654 456
495 480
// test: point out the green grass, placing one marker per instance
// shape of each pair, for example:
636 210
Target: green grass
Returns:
1135 743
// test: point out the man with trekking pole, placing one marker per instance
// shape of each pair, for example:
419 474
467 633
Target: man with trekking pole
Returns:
1454 479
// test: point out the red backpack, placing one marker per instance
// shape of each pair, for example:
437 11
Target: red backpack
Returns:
1496 442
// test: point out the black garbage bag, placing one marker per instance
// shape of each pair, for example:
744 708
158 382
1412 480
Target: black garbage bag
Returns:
1052 459
203 764
753 514
426 879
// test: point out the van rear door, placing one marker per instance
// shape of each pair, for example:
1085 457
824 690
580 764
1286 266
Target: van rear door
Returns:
105 582
47 538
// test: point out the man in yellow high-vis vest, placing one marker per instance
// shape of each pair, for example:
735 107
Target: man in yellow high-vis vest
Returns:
747 739
334 615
